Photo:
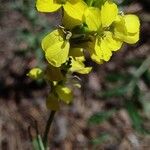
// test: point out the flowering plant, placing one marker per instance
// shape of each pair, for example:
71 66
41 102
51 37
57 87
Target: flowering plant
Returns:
93 27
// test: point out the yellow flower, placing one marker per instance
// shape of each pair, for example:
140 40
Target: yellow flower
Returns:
99 22
126 28
59 92
73 8
64 93
35 73
56 47
77 61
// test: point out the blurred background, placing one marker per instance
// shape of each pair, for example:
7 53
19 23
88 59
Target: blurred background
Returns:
110 112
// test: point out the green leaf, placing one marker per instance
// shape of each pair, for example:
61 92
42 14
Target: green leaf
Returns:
134 62
101 139
145 100
135 116
100 117
117 92
38 143
117 76
146 78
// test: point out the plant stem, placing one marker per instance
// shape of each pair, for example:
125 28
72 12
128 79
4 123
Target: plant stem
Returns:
137 74
47 128
145 65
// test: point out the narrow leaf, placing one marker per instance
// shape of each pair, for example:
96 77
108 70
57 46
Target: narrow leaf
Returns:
38 143
100 117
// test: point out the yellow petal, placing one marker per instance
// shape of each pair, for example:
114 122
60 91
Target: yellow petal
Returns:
109 12
52 102
47 5
53 73
127 28
131 38
96 59
102 50
106 50
35 73
56 48
112 43
132 23
69 22
92 18
77 54
64 93
79 67
97 48
75 9
91 49
52 38
57 54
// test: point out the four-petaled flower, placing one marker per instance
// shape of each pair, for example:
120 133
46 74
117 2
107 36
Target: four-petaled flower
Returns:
110 30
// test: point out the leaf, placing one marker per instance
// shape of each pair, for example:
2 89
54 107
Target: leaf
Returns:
117 92
100 117
134 115
117 76
145 100
101 139
38 143
146 78
134 62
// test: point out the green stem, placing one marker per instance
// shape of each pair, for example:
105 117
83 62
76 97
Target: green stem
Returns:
47 128
145 65
90 2
137 74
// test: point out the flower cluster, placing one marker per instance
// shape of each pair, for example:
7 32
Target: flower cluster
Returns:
89 27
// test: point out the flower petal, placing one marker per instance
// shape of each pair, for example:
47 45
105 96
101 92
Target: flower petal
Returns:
96 58
52 38
132 23
112 43
75 9
102 50
69 22
127 28
79 67
56 48
109 12
47 5
92 18
57 54
77 54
